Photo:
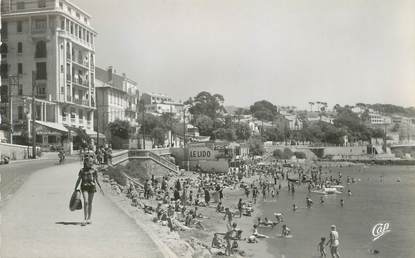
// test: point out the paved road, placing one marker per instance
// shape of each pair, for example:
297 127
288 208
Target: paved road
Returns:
36 222
13 175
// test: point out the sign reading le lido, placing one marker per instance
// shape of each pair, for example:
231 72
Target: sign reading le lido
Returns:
201 153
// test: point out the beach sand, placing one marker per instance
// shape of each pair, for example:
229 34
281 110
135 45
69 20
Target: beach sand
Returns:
182 242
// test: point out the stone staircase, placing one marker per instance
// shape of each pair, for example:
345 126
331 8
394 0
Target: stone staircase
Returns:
128 155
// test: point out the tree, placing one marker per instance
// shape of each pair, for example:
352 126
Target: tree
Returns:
149 123
120 128
239 113
264 110
82 139
206 104
256 146
158 135
311 105
225 134
300 155
205 125
285 154
273 134
242 131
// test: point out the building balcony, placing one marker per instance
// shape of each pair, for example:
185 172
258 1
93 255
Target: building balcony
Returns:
39 30
79 42
80 82
84 102
73 120
80 63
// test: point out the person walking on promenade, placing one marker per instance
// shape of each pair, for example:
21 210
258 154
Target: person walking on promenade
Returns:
334 242
88 179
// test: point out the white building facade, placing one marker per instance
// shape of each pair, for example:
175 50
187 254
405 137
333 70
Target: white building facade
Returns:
54 40
117 98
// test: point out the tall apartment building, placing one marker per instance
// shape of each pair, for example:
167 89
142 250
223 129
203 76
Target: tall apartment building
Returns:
54 41
117 98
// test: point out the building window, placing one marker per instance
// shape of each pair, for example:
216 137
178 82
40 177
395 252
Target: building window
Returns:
19 47
4 70
20 5
3 49
41 3
40 49
73 113
62 24
41 71
20 90
20 112
61 5
4 30
72 28
38 112
20 68
39 25
19 26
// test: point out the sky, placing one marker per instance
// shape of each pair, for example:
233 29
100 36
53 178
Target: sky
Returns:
289 52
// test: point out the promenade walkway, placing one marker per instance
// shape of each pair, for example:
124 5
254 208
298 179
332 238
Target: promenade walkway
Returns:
36 222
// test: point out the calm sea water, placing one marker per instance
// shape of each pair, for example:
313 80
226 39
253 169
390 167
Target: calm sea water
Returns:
373 201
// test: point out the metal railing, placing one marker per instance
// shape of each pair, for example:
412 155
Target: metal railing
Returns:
84 102
119 157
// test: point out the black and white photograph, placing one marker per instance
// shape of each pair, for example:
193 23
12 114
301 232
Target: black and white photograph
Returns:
207 128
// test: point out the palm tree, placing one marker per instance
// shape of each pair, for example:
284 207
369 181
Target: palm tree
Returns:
311 105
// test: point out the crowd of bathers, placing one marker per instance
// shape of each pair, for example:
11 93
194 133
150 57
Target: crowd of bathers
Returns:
179 197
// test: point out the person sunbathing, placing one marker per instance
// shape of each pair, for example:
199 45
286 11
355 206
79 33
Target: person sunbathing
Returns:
256 234
216 242
220 208
270 223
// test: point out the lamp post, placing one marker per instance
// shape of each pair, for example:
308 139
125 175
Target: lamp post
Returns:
13 80
184 139
33 116
142 125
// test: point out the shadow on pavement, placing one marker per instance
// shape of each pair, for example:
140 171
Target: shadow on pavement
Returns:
69 223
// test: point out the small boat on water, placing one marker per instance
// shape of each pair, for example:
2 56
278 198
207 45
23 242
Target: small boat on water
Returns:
339 188
327 190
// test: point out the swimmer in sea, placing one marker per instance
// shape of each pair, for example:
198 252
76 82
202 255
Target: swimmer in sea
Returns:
294 207
349 193
342 202
321 246
285 231
321 200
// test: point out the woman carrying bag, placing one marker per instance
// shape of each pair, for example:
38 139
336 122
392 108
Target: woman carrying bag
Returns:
88 178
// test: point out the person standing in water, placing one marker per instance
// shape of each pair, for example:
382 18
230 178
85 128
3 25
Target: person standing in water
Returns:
334 242
88 179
